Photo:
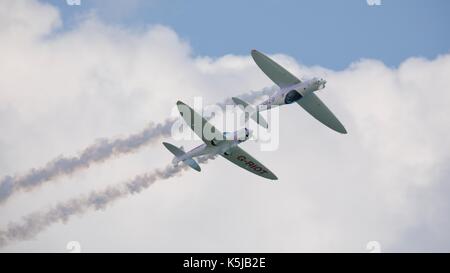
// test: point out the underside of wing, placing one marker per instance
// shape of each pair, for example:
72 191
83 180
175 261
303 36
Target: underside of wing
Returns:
241 158
274 71
201 127
313 105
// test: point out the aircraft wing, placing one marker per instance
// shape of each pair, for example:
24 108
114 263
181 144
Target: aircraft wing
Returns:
241 158
313 105
274 71
201 127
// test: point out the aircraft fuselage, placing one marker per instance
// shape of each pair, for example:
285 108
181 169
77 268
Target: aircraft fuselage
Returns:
293 93
232 139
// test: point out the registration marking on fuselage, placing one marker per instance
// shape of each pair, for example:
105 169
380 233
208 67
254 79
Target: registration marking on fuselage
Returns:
252 165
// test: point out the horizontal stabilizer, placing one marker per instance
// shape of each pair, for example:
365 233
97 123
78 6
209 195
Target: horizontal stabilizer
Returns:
193 164
254 114
174 149
179 153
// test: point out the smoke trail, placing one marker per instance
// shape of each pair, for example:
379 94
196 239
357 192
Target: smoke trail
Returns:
99 152
250 97
37 222
96 153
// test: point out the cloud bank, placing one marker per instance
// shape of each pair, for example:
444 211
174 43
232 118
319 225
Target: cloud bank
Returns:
63 86
36 222
98 152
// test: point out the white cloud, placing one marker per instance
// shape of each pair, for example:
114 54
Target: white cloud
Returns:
382 181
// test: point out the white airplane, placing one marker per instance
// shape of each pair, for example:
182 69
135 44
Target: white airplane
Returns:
215 142
291 90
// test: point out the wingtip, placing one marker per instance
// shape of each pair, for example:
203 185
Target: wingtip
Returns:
343 131
254 52
271 176
167 145
338 127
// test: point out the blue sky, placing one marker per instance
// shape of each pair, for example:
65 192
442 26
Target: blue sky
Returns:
329 33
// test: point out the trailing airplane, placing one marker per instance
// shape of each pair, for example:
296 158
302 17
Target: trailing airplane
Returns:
291 90
216 143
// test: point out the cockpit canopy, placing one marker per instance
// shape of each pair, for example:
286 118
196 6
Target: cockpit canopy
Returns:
239 135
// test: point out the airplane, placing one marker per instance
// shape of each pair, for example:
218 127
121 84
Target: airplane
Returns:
215 142
291 90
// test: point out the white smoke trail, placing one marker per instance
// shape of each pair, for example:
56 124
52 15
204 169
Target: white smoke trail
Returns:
37 222
97 153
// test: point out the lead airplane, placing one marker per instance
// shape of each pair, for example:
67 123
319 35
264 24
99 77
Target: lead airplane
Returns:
291 90
216 143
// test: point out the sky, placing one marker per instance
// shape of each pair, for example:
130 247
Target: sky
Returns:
87 91
329 33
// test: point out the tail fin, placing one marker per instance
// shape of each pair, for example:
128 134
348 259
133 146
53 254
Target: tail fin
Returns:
254 113
178 152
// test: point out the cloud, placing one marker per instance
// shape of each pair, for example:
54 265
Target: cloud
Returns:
383 181
38 221
100 151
